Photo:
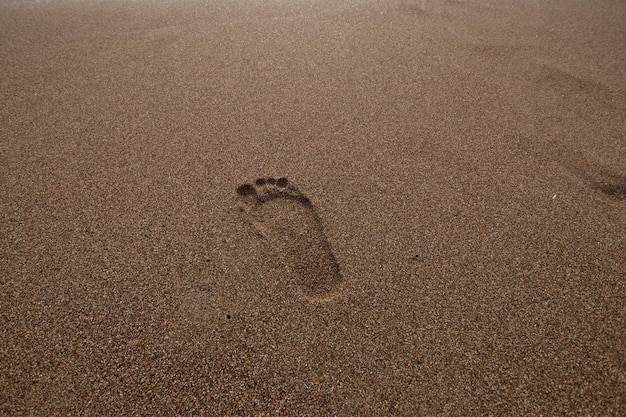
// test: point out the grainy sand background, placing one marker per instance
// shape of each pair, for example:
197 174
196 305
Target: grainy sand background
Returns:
467 162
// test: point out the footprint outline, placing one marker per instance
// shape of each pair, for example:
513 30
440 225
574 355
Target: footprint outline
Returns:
281 214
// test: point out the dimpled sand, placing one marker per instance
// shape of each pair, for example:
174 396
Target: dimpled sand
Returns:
312 208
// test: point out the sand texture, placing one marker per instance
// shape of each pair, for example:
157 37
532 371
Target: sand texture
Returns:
312 208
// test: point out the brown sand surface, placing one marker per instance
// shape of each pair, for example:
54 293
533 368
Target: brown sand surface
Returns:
451 241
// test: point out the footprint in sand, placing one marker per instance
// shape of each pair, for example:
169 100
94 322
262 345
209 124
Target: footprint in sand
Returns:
285 217
610 184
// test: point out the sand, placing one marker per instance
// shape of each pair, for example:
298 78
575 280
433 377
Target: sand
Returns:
438 226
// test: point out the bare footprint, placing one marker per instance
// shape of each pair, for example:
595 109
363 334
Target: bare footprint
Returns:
284 216
611 184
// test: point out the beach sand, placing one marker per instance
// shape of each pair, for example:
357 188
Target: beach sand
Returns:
313 207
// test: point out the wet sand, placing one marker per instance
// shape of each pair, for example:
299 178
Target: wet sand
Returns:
313 208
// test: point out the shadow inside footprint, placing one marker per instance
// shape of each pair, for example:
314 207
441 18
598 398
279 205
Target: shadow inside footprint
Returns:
284 216
610 184
600 179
